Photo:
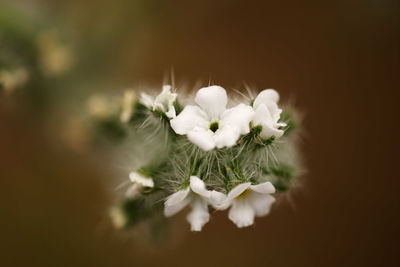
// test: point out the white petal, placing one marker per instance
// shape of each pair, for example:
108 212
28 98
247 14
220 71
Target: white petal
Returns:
189 118
177 197
198 186
165 99
140 179
263 188
203 138
133 191
174 209
213 100
264 118
171 114
127 105
166 89
176 202
261 203
219 200
125 115
118 217
146 100
241 213
268 131
275 111
266 96
237 190
226 137
281 124
199 215
238 117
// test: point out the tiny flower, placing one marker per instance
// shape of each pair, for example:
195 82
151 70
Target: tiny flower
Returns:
267 114
11 80
210 124
138 182
100 107
163 102
127 105
247 201
118 217
198 197
55 57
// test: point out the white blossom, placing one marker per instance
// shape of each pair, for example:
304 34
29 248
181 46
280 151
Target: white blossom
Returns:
198 197
164 101
118 217
247 201
11 80
138 182
127 105
267 114
100 107
55 57
210 124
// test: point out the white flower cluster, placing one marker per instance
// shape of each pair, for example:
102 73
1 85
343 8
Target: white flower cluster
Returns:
209 125
202 155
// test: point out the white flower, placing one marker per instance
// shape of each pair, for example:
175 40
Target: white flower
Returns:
198 197
247 201
11 80
212 125
164 101
138 182
267 114
100 107
55 57
118 217
127 105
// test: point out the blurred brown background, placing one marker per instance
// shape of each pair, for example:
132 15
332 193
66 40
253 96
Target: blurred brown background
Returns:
338 59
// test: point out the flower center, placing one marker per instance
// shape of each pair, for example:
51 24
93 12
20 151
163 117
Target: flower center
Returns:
243 194
214 126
